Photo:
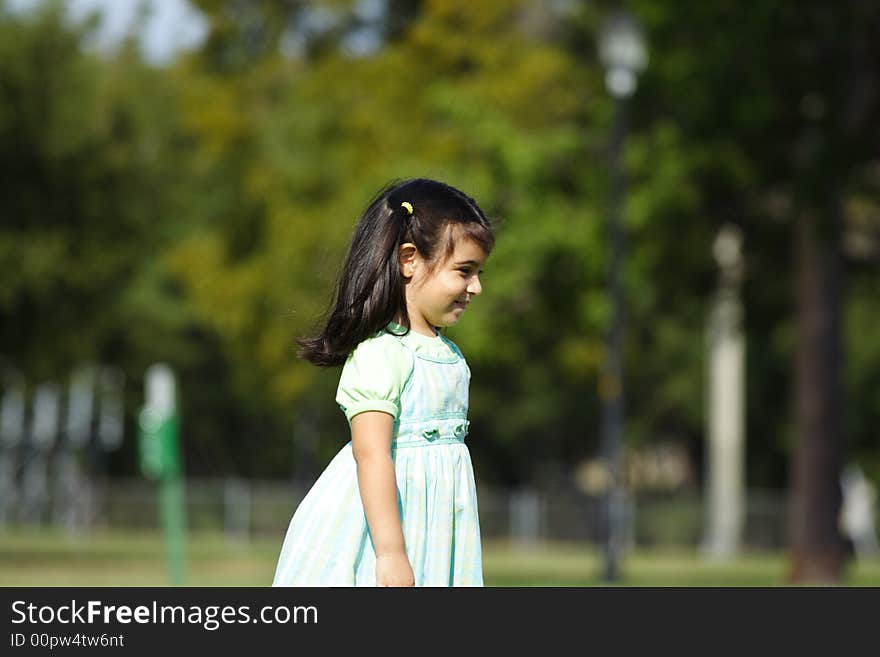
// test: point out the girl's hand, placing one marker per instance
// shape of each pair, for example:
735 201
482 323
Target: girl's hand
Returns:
393 569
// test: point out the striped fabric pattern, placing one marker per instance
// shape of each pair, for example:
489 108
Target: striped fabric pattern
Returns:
328 541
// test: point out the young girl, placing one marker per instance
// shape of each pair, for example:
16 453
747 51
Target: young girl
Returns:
397 506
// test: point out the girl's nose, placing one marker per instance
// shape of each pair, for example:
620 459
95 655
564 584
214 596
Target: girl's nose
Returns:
474 286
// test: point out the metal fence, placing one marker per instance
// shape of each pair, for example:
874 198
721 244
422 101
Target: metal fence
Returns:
246 509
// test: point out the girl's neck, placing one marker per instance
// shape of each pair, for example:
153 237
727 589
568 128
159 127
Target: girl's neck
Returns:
422 328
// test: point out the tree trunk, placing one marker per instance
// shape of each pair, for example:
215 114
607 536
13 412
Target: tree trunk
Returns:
817 553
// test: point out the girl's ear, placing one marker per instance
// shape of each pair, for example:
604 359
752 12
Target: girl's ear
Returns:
408 255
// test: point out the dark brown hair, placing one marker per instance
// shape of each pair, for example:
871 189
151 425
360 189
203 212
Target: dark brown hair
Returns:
371 288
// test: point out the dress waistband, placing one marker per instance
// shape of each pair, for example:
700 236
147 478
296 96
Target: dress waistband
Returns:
422 433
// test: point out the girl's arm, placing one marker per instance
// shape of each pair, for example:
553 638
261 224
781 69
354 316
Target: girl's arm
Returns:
371 447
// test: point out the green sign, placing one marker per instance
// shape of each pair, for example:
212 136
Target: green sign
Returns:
159 454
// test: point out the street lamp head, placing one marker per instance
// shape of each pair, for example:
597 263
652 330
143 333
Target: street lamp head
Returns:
623 52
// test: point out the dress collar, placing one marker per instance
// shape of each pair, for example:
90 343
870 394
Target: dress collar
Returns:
438 349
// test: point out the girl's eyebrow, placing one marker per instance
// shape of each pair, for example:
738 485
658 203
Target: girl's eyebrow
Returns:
472 263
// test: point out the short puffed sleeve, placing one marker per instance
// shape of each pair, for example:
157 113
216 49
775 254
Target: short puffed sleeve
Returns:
374 376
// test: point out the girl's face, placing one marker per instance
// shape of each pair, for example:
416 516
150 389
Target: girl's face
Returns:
439 297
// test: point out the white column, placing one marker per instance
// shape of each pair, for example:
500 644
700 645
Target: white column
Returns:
725 453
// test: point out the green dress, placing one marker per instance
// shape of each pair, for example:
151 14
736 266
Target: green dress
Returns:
423 383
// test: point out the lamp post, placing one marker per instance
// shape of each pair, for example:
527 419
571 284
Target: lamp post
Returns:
623 54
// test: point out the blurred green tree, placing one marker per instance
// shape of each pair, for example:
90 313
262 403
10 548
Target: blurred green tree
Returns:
198 213
790 122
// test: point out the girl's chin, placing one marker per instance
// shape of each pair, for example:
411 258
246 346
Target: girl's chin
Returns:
449 319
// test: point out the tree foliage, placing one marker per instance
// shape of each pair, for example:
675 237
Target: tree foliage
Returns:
198 212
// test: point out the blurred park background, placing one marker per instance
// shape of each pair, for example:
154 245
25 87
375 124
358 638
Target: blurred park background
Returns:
179 182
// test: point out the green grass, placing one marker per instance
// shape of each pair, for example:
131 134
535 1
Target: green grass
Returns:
138 559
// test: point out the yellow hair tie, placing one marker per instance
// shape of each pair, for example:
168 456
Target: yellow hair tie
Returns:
408 207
